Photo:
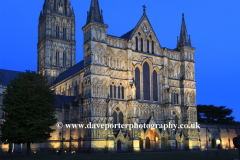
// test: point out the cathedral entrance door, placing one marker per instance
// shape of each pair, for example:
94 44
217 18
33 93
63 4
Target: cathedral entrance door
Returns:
148 143
151 139
119 145
141 143
164 143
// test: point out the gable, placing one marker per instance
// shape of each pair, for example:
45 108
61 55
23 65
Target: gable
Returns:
143 30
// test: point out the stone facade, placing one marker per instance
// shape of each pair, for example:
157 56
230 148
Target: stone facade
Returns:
145 83
128 79
56 39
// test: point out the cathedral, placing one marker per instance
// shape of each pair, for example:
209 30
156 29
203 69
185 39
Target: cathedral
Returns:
129 79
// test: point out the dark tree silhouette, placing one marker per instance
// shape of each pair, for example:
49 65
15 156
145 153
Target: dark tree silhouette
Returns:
210 114
29 105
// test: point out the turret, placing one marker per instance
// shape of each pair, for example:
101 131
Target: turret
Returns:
95 31
184 40
94 14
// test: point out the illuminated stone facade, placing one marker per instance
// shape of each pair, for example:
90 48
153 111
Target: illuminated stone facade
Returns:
145 82
128 79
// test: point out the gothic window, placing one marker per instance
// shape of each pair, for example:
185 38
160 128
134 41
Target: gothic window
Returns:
119 92
57 58
115 94
57 31
114 117
147 46
146 81
137 83
120 117
117 116
64 33
175 98
111 96
153 47
64 59
141 44
155 87
122 92
136 43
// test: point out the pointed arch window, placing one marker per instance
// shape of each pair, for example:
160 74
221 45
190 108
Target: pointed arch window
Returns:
136 40
115 90
64 33
146 81
57 31
111 95
137 83
155 87
64 59
141 44
118 116
122 92
175 98
147 46
57 58
119 90
152 47
115 117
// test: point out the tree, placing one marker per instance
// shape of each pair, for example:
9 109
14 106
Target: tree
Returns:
29 104
210 114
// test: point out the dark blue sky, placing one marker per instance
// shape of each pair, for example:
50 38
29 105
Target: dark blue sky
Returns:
214 26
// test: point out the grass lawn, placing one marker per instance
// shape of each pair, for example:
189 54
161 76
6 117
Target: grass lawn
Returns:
185 155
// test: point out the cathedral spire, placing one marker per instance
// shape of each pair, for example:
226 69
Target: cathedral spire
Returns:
183 39
94 14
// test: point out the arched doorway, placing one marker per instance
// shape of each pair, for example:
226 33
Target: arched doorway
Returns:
164 143
141 143
148 143
119 145
151 139
213 143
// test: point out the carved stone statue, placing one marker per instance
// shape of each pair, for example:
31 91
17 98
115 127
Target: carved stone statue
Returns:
133 89
108 108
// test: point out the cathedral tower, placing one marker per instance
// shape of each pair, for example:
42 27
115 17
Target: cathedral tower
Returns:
56 39
95 33
188 89
95 58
